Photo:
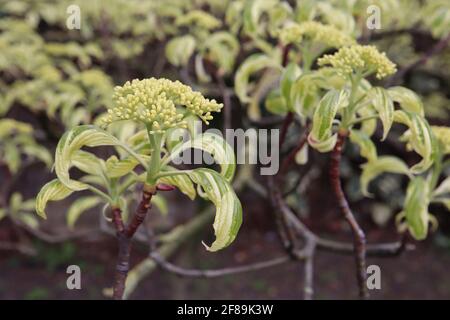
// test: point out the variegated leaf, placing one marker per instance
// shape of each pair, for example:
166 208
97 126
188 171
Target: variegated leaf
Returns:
419 137
216 146
383 104
251 65
321 136
71 142
366 146
182 183
376 167
415 208
407 99
180 49
52 191
78 207
228 207
290 74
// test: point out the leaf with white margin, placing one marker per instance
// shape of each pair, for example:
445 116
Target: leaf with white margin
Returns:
74 140
288 78
214 144
253 64
407 99
182 183
116 168
180 49
79 206
52 191
228 217
321 136
419 137
383 104
367 148
381 165
415 208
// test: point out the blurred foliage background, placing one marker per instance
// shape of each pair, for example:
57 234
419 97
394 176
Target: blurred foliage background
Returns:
53 78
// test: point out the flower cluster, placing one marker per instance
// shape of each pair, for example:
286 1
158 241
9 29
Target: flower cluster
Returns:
155 102
442 134
362 59
316 32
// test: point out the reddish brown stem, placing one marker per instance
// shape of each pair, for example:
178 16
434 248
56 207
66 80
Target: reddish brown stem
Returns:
123 256
286 123
359 238
291 156
141 211
124 236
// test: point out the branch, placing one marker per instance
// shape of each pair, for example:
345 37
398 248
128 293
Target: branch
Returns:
141 210
226 98
438 47
124 235
308 281
123 257
359 237
196 273
287 162
284 128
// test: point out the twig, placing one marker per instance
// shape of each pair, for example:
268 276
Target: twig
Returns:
23 249
284 128
308 282
196 273
438 47
287 162
124 236
359 237
226 98
141 211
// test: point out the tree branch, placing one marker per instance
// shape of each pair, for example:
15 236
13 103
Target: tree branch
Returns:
124 235
359 237
438 47
197 273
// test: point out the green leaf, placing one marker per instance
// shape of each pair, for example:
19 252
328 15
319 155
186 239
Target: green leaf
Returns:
366 146
72 141
52 191
275 103
78 207
415 208
216 146
374 168
419 138
383 104
253 64
87 162
222 47
161 203
407 99
321 136
289 76
180 49
228 207
182 183
116 168
253 10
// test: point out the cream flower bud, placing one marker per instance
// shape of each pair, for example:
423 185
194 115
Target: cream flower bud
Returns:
155 101
362 59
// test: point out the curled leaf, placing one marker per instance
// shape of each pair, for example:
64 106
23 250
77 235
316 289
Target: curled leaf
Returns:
382 164
52 191
228 207
321 136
